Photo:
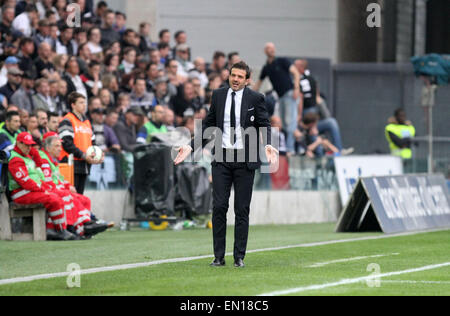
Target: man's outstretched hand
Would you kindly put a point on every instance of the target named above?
(271, 155)
(183, 153)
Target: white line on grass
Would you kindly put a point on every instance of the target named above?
(355, 280)
(415, 282)
(322, 264)
(186, 259)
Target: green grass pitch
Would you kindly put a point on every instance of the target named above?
(417, 264)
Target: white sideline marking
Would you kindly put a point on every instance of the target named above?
(355, 280)
(186, 259)
(415, 282)
(322, 264)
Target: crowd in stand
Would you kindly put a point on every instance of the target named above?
(135, 86)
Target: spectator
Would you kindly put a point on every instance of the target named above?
(111, 118)
(279, 71)
(164, 52)
(180, 38)
(24, 21)
(60, 100)
(80, 38)
(184, 104)
(72, 77)
(153, 126)
(111, 65)
(123, 104)
(106, 99)
(169, 119)
(43, 33)
(108, 33)
(121, 22)
(10, 62)
(60, 61)
(199, 92)
(218, 63)
(8, 14)
(152, 74)
(110, 82)
(126, 129)
(26, 52)
(94, 103)
(140, 97)
(172, 73)
(128, 61)
(9, 131)
(200, 68)
(64, 44)
(155, 58)
(233, 58)
(23, 96)
(144, 33)
(162, 95)
(44, 66)
(13, 83)
(399, 134)
(164, 37)
(44, 6)
(84, 58)
(92, 80)
(184, 65)
(24, 117)
(42, 99)
(94, 42)
(42, 119)
(53, 122)
(105, 137)
(308, 104)
(33, 126)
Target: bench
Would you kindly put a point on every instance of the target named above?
(9, 211)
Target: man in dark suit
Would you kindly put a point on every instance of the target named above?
(233, 110)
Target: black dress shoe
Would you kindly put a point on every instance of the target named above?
(93, 228)
(218, 262)
(62, 235)
(239, 263)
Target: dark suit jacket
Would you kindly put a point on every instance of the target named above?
(253, 114)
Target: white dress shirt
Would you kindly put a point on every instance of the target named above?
(226, 143)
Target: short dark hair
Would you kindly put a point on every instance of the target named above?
(310, 118)
(102, 4)
(243, 66)
(398, 112)
(232, 54)
(10, 114)
(25, 40)
(122, 14)
(162, 45)
(161, 33)
(218, 54)
(52, 114)
(73, 97)
(178, 33)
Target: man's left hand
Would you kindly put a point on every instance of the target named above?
(272, 155)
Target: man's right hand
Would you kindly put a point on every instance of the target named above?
(183, 153)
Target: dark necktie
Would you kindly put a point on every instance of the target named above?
(233, 120)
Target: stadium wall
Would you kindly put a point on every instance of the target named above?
(268, 207)
(297, 27)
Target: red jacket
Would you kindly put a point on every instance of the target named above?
(19, 172)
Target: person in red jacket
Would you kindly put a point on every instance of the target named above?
(26, 187)
(77, 206)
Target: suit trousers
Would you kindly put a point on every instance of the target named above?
(225, 175)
